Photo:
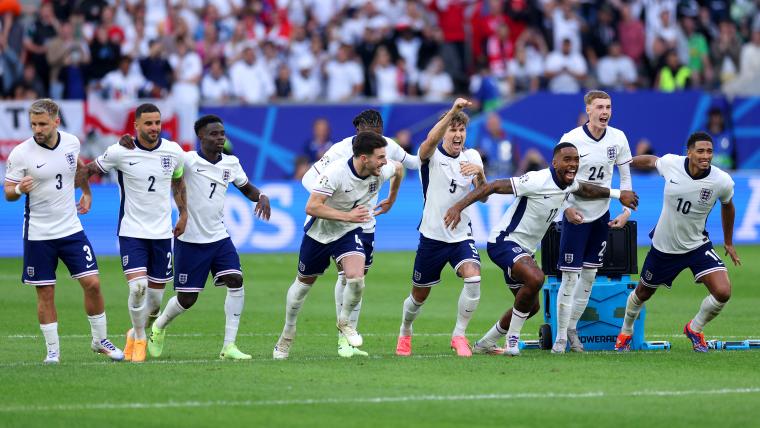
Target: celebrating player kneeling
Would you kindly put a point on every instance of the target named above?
(513, 241)
(679, 240)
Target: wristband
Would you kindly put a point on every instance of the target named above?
(615, 193)
(626, 210)
(260, 195)
(18, 189)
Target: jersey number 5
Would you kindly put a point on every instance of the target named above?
(453, 187)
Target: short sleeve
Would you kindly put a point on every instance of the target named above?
(527, 184)
(387, 171)
(240, 178)
(728, 191)
(110, 159)
(326, 184)
(663, 163)
(624, 154)
(15, 169)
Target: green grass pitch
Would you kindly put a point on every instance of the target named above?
(189, 386)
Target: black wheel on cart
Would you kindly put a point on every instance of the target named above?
(545, 337)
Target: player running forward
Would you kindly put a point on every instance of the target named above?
(206, 246)
(679, 240)
(447, 172)
(586, 223)
(44, 168)
(145, 175)
(339, 204)
(367, 120)
(513, 241)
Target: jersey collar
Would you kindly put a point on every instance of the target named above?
(57, 143)
(586, 130)
(553, 173)
(214, 162)
(442, 150)
(353, 170)
(700, 176)
(137, 144)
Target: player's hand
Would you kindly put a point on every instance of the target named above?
(359, 214)
(127, 142)
(731, 251)
(620, 221)
(383, 207)
(468, 169)
(629, 198)
(460, 104)
(573, 216)
(263, 210)
(453, 217)
(84, 204)
(26, 184)
(179, 228)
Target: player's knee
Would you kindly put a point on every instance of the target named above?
(468, 270)
(231, 281)
(357, 283)
(90, 284)
(588, 275)
(534, 280)
(420, 294)
(137, 289)
(723, 294)
(186, 300)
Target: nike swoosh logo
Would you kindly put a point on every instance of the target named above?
(467, 311)
(236, 315)
(674, 182)
(566, 295)
(547, 197)
(169, 273)
(583, 156)
(133, 163)
(199, 170)
(89, 265)
(40, 166)
(349, 190)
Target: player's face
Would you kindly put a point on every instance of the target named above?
(453, 139)
(565, 165)
(148, 127)
(701, 155)
(213, 138)
(44, 127)
(599, 112)
(374, 162)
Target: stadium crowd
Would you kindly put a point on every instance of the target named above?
(254, 51)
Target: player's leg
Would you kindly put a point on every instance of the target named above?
(134, 262)
(526, 271)
(313, 259)
(429, 261)
(40, 262)
(573, 240)
(160, 272)
(353, 267)
(593, 259)
(466, 262)
(228, 272)
(344, 349)
(708, 269)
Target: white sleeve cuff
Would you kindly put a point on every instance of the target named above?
(615, 193)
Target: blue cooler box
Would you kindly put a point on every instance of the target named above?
(600, 324)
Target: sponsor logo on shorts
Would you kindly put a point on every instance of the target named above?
(417, 275)
(568, 257)
(226, 174)
(182, 278)
(611, 152)
(648, 275)
(30, 271)
(125, 260)
(704, 195)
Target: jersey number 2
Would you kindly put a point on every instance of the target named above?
(152, 180)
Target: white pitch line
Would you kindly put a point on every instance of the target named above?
(371, 400)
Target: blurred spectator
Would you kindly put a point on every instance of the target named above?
(524, 73)
(500, 156)
(724, 148)
(270, 58)
(664, 29)
(305, 82)
(282, 87)
(300, 167)
(404, 139)
(644, 147)
(68, 56)
(500, 50)
(748, 82)
(388, 79)
(533, 160)
(435, 83)
(673, 76)
(565, 69)
(104, 54)
(566, 25)
(216, 86)
(408, 44)
(451, 19)
(631, 33)
(30, 81)
(698, 53)
(209, 48)
(725, 51)
(600, 35)
(124, 83)
(251, 81)
(485, 87)
(187, 74)
(345, 78)
(233, 48)
(320, 141)
(616, 71)
(432, 39)
(39, 33)
(157, 70)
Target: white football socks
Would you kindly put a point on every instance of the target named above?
(409, 314)
(581, 296)
(155, 297)
(98, 326)
(632, 308)
(709, 309)
(468, 302)
(50, 332)
(293, 303)
(137, 303)
(565, 299)
(233, 307)
(495, 333)
(172, 310)
(352, 295)
(517, 322)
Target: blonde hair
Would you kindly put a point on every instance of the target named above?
(595, 95)
(44, 106)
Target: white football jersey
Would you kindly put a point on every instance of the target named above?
(539, 198)
(686, 204)
(344, 149)
(345, 190)
(597, 165)
(50, 210)
(144, 178)
(443, 185)
(207, 183)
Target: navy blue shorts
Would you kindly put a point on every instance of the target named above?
(368, 242)
(314, 256)
(662, 268)
(193, 262)
(151, 255)
(41, 259)
(433, 255)
(504, 254)
(583, 245)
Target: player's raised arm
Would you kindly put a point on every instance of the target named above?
(628, 198)
(727, 216)
(316, 207)
(263, 210)
(453, 214)
(436, 134)
(645, 162)
(385, 205)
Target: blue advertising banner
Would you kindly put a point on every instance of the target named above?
(395, 230)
